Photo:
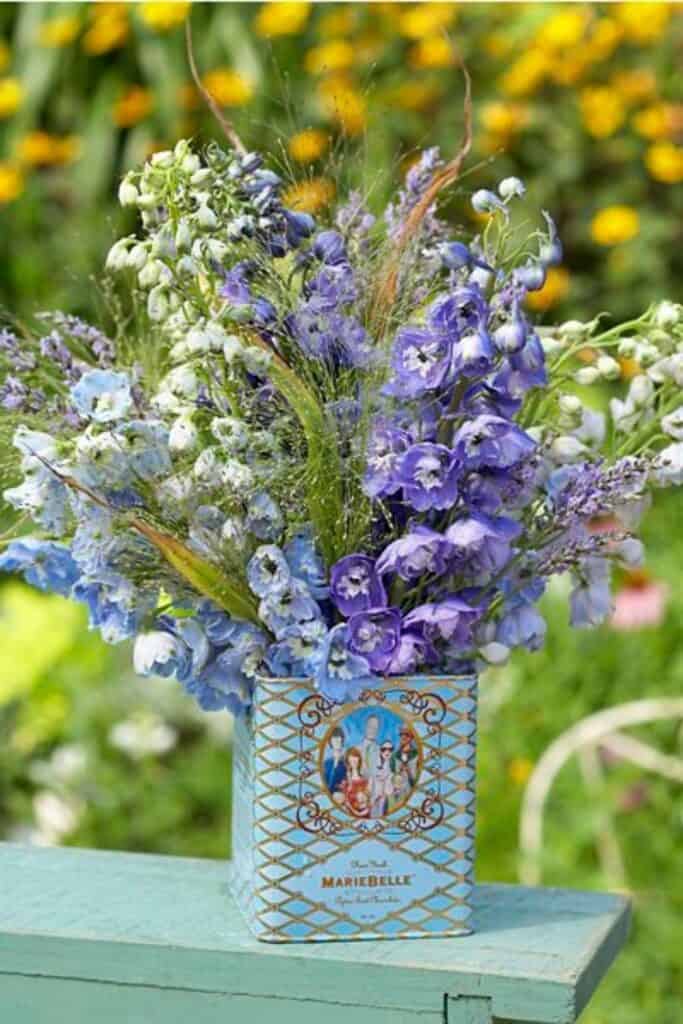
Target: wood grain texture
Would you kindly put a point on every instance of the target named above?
(165, 925)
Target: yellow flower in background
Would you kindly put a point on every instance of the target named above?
(664, 161)
(337, 55)
(502, 118)
(643, 22)
(604, 39)
(571, 69)
(554, 290)
(415, 95)
(614, 225)
(602, 111)
(656, 122)
(11, 182)
(228, 87)
(634, 85)
(188, 97)
(342, 102)
(133, 107)
(337, 23)
(419, 20)
(11, 95)
(527, 73)
(40, 149)
(309, 196)
(308, 145)
(163, 16)
(281, 19)
(108, 31)
(59, 31)
(432, 52)
(564, 29)
(519, 770)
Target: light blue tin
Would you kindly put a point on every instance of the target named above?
(356, 820)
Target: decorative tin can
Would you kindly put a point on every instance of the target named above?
(356, 820)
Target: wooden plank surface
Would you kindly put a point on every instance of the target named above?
(155, 923)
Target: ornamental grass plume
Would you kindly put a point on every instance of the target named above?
(334, 449)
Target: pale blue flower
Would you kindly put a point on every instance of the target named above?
(102, 395)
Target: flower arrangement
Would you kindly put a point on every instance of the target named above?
(333, 451)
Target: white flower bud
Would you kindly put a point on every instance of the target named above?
(128, 193)
(233, 533)
(668, 314)
(216, 249)
(162, 159)
(137, 257)
(608, 368)
(150, 273)
(647, 354)
(157, 304)
(573, 330)
(237, 476)
(183, 436)
(570, 404)
(551, 345)
(672, 424)
(190, 164)
(206, 218)
(117, 257)
(495, 653)
(147, 201)
(511, 187)
(567, 449)
(207, 467)
(230, 432)
(183, 381)
(186, 267)
(641, 391)
(627, 348)
(197, 341)
(201, 177)
(183, 236)
(233, 349)
(586, 375)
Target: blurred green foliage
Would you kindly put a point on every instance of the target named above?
(584, 102)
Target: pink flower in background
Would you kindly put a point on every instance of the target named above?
(641, 602)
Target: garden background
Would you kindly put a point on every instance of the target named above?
(585, 103)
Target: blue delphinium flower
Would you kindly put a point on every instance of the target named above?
(450, 619)
(306, 563)
(591, 599)
(102, 396)
(267, 571)
(490, 442)
(264, 518)
(43, 564)
(289, 606)
(160, 653)
(355, 585)
(429, 474)
(340, 674)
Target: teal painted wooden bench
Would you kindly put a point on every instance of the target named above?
(134, 939)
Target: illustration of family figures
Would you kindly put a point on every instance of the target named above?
(372, 777)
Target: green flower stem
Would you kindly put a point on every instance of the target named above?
(324, 477)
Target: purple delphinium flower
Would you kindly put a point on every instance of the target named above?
(421, 551)
(375, 634)
(474, 354)
(429, 474)
(462, 309)
(511, 336)
(490, 442)
(481, 544)
(412, 652)
(421, 359)
(386, 447)
(451, 619)
(340, 674)
(355, 585)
